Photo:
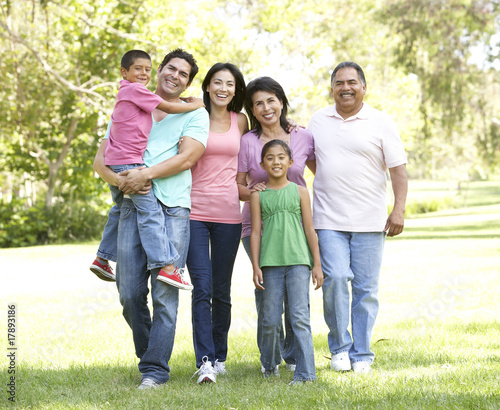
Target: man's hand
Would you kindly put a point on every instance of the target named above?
(395, 223)
(135, 181)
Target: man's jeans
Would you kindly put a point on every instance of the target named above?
(212, 251)
(293, 281)
(153, 337)
(354, 257)
(159, 250)
(286, 347)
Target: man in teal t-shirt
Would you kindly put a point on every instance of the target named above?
(169, 169)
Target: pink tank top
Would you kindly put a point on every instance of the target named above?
(214, 194)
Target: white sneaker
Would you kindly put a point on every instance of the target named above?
(148, 383)
(341, 362)
(220, 367)
(206, 373)
(291, 367)
(361, 367)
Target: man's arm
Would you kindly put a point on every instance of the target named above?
(105, 172)
(395, 222)
(190, 151)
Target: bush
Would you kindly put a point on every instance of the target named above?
(65, 222)
(427, 205)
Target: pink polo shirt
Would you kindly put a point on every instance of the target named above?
(131, 123)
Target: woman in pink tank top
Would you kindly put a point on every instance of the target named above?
(215, 219)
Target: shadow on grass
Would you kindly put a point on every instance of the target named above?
(439, 365)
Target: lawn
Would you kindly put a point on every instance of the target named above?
(437, 338)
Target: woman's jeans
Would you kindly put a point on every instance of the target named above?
(153, 336)
(294, 282)
(212, 252)
(159, 250)
(354, 257)
(286, 347)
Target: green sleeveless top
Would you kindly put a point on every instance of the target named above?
(283, 239)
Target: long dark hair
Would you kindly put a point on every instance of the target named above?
(273, 87)
(236, 103)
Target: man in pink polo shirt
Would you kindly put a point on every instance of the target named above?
(355, 144)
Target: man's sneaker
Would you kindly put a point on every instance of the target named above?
(268, 373)
(206, 373)
(103, 271)
(341, 362)
(291, 366)
(361, 367)
(219, 367)
(148, 383)
(175, 278)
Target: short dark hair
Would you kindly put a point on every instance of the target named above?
(349, 64)
(273, 87)
(130, 56)
(269, 144)
(180, 53)
(236, 103)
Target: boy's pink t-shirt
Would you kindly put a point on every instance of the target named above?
(214, 193)
(131, 123)
(302, 147)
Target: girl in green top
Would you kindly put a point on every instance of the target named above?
(283, 260)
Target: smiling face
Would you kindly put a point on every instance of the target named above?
(222, 88)
(138, 72)
(276, 162)
(348, 92)
(173, 78)
(266, 108)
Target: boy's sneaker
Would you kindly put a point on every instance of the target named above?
(291, 366)
(341, 362)
(361, 367)
(103, 271)
(269, 373)
(206, 373)
(175, 278)
(220, 367)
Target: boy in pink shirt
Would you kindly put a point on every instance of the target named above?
(131, 122)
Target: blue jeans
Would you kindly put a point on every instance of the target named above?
(286, 346)
(293, 281)
(212, 251)
(153, 337)
(354, 257)
(159, 250)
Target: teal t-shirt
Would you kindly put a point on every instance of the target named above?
(163, 144)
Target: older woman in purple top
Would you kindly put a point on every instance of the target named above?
(267, 106)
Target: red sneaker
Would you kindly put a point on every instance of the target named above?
(175, 278)
(103, 271)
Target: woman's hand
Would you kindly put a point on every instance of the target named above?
(259, 186)
(292, 125)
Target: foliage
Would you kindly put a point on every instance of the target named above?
(28, 226)
(435, 42)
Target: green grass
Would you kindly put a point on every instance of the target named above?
(437, 338)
